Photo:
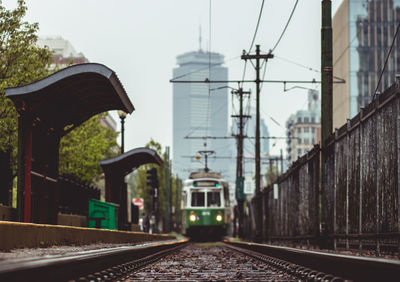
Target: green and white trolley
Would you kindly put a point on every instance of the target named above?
(205, 206)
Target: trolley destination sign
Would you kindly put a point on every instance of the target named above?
(198, 184)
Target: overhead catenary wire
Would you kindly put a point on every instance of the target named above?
(252, 42)
(265, 69)
(258, 24)
(194, 71)
(386, 60)
(243, 75)
(284, 30)
(202, 69)
(297, 64)
(209, 71)
(277, 43)
(205, 123)
(306, 67)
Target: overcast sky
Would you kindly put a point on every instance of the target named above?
(140, 39)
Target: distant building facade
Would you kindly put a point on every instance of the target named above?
(108, 121)
(249, 145)
(363, 31)
(304, 128)
(64, 53)
(198, 112)
(249, 150)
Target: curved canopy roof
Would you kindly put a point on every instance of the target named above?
(65, 99)
(131, 160)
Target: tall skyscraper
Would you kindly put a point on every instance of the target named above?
(200, 109)
(363, 31)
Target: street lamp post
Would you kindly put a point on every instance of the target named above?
(122, 116)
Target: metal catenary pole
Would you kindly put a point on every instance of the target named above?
(326, 93)
(239, 162)
(167, 192)
(176, 202)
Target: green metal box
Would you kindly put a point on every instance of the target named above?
(103, 215)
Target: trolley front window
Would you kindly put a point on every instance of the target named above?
(213, 199)
(197, 199)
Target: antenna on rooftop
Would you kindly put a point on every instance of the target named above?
(200, 38)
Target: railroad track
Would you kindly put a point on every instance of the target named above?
(95, 265)
(201, 262)
(223, 262)
(209, 262)
(320, 266)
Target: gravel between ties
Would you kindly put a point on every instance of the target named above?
(205, 262)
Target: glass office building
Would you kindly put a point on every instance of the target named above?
(363, 32)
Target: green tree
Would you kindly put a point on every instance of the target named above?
(271, 175)
(138, 184)
(83, 148)
(21, 62)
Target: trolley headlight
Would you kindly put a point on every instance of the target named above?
(192, 217)
(219, 217)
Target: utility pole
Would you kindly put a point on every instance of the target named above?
(167, 192)
(177, 192)
(257, 57)
(326, 93)
(239, 161)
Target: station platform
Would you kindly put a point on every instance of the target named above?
(30, 235)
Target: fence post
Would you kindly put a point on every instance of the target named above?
(347, 181)
(360, 180)
(378, 219)
(334, 190)
(398, 164)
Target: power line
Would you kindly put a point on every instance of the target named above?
(298, 64)
(252, 43)
(209, 72)
(250, 81)
(203, 125)
(265, 68)
(196, 70)
(258, 23)
(244, 74)
(340, 80)
(287, 24)
(202, 68)
(387, 58)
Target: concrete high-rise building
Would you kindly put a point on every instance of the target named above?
(304, 128)
(363, 31)
(64, 53)
(200, 109)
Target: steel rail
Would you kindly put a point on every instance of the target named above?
(333, 266)
(299, 271)
(100, 264)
